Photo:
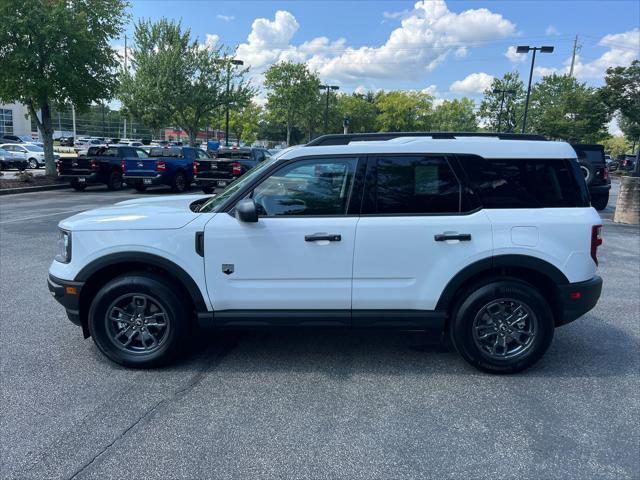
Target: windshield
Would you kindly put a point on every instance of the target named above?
(215, 202)
(34, 148)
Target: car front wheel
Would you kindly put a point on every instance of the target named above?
(139, 320)
(502, 327)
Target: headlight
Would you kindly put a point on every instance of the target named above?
(64, 246)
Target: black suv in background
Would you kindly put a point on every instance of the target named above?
(229, 164)
(595, 171)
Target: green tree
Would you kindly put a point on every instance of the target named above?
(176, 79)
(360, 111)
(455, 116)
(512, 107)
(244, 122)
(56, 52)
(561, 107)
(312, 115)
(290, 88)
(403, 111)
(621, 94)
(616, 145)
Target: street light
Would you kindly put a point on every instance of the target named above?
(503, 92)
(326, 108)
(527, 49)
(228, 62)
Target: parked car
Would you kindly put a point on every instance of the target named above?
(33, 154)
(626, 162)
(228, 165)
(596, 174)
(491, 241)
(67, 142)
(101, 165)
(172, 166)
(16, 139)
(9, 159)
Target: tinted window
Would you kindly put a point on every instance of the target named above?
(309, 187)
(525, 183)
(141, 153)
(165, 152)
(411, 185)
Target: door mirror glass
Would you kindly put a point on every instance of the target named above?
(246, 211)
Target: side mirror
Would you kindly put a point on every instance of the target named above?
(246, 211)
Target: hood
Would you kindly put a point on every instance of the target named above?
(158, 213)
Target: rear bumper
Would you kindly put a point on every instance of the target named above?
(89, 177)
(143, 180)
(600, 189)
(578, 298)
(212, 182)
(67, 294)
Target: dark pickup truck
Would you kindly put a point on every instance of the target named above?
(230, 163)
(172, 166)
(596, 173)
(101, 165)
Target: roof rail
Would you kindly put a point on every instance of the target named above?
(345, 139)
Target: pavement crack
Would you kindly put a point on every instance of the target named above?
(194, 381)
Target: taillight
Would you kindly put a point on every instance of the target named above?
(236, 168)
(161, 166)
(605, 174)
(94, 165)
(596, 241)
(195, 167)
(123, 166)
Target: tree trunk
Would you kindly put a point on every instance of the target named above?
(288, 134)
(47, 137)
(193, 137)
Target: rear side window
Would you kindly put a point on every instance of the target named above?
(409, 185)
(165, 152)
(525, 183)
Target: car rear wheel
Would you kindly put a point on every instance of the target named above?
(79, 187)
(115, 181)
(502, 327)
(33, 163)
(208, 190)
(139, 320)
(600, 202)
(179, 183)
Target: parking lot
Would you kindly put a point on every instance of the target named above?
(307, 404)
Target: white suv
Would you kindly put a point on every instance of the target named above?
(490, 239)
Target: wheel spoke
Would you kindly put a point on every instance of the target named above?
(122, 317)
(153, 320)
(140, 304)
(137, 323)
(132, 334)
(487, 335)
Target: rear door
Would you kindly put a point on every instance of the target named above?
(299, 255)
(414, 234)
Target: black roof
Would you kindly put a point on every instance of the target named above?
(344, 139)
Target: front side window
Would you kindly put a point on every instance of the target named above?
(410, 185)
(307, 187)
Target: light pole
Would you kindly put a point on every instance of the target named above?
(229, 62)
(326, 107)
(502, 91)
(527, 49)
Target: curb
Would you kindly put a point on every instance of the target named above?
(43, 188)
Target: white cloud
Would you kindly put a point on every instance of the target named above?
(394, 15)
(225, 18)
(426, 36)
(473, 83)
(211, 40)
(551, 30)
(513, 56)
(623, 48)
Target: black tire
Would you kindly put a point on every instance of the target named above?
(599, 202)
(77, 186)
(33, 163)
(179, 183)
(115, 181)
(208, 190)
(470, 317)
(2, 167)
(587, 170)
(110, 336)
(140, 187)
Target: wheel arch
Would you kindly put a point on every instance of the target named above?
(541, 274)
(97, 273)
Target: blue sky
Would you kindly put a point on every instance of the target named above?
(449, 49)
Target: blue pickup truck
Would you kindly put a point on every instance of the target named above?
(172, 166)
(101, 165)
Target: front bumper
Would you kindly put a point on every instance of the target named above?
(67, 294)
(578, 298)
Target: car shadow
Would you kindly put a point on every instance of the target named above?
(589, 348)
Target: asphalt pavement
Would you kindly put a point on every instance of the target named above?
(307, 404)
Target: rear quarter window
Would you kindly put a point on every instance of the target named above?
(525, 183)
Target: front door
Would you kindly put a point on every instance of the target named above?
(298, 256)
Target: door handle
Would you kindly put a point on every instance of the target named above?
(463, 237)
(322, 236)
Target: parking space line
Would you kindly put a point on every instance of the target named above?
(16, 220)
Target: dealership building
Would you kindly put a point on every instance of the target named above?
(14, 119)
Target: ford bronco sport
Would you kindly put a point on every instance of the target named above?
(488, 238)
